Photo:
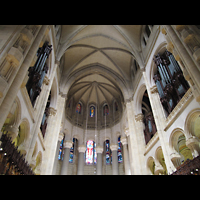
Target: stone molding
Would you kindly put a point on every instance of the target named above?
(124, 140)
(139, 117)
(99, 149)
(82, 149)
(114, 147)
(67, 144)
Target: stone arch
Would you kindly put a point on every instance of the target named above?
(192, 123)
(173, 140)
(13, 119)
(151, 165)
(37, 168)
(161, 166)
(139, 96)
(160, 49)
(179, 151)
(23, 135)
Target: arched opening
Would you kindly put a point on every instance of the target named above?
(151, 165)
(180, 152)
(90, 154)
(169, 80)
(148, 120)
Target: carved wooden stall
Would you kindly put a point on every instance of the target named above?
(11, 161)
(189, 167)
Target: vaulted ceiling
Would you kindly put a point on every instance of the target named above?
(97, 60)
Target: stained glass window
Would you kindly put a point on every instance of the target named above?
(78, 108)
(92, 111)
(91, 155)
(61, 152)
(107, 152)
(71, 154)
(119, 152)
(105, 110)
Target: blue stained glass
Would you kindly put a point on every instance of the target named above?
(107, 152)
(71, 154)
(92, 111)
(61, 152)
(78, 108)
(119, 152)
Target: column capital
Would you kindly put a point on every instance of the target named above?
(139, 117)
(124, 140)
(154, 89)
(114, 147)
(81, 148)
(51, 111)
(68, 144)
(126, 131)
(99, 149)
(60, 137)
(46, 80)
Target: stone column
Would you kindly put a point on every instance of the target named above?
(61, 135)
(141, 140)
(126, 156)
(81, 149)
(15, 86)
(99, 150)
(65, 163)
(115, 169)
(51, 137)
(135, 164)
(126, 130)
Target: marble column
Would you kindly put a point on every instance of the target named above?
(65, 163)
(115, 168)
(126, 156)
(15, 86)
(99, 150)
(81, 149)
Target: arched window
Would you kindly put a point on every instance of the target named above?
(119, 151)
(90, 154)
(105, 110)
(61, 150)
(107, 150)
(78, 108)
(72, 151)
(92, 111)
